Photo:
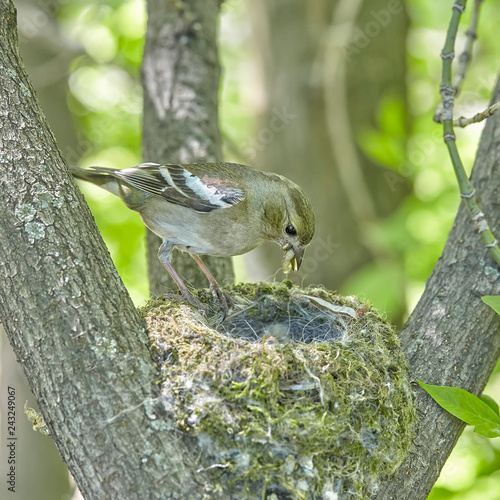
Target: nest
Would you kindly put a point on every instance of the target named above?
(298, 394)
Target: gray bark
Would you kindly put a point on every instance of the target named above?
(66, 313)
(181, 83)
(47, 56)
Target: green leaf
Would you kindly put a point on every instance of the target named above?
(493, 301)
(491, 403)
(466, 407)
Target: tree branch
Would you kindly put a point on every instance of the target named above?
(452, 338)
(466, 55)
(463, 61)
(467, 190)
(463, 122)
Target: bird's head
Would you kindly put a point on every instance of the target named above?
(288, 220)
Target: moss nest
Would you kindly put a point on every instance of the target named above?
(297, 394)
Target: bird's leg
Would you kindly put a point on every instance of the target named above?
(225, 300)
(164, 256)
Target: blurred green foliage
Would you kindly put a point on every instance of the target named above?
(105, 98)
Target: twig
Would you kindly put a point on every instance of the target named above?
(466, 55)
(464, 59)
(467, 191)
(478, 117)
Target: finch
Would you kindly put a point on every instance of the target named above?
(219, 209)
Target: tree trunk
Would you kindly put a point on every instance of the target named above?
(65, 310)
(181, 120)
(47, 56)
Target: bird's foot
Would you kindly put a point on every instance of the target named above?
(224, 299)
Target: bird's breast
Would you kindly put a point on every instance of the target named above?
(214, 233)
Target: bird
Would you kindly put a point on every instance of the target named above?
(219, 209)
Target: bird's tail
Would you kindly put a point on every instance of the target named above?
(100, 176)
(96, 175)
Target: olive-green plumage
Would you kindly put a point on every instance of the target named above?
(220, 209)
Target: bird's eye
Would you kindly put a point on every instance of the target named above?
(291, 230)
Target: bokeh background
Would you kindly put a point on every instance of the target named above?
(338, 96)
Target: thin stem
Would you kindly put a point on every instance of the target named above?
(464, 59)
(462, 121)
(467, 191)
(466, 56)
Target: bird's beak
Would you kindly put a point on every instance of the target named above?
(298, 254)
(293, 259)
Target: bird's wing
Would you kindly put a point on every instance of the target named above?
(177, 184)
